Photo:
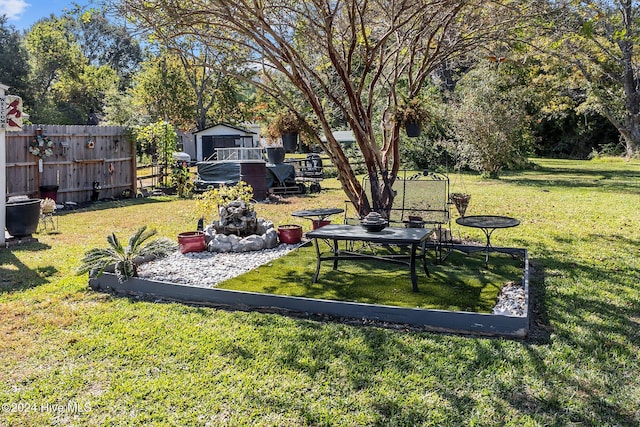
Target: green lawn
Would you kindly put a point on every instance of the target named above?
(75, 357)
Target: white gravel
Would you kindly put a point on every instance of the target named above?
(207, 269)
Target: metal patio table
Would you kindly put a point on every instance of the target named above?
(488, 224)
(334, 233)
(317, 216)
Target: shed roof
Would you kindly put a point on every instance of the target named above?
(342, 136)
(226, 125)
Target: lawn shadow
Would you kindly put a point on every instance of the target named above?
(623, 181)
(606, 328)
(111, 204)
(15, 275)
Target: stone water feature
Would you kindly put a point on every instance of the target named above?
(240, 230)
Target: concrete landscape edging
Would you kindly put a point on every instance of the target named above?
(436, 320)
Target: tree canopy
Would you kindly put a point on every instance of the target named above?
(348, 64)
(599, 39)
(13, 57)
(362, 59)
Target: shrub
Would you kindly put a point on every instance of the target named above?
(427, 154)
(181, 179)
(490, 123)
(210, 201)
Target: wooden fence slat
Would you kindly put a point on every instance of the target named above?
(74, 166)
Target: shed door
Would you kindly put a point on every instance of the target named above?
(207, 147)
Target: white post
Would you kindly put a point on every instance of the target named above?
(3, 163)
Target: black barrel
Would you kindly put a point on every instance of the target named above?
(254, 173)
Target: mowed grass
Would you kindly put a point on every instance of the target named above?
(75, 357)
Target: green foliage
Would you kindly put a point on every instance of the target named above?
(158, 77)
(65, 86)
(157, 140)
(423, 153)
(208, 202)
(84, 93)
(600, 41)
(105, 43)
(181, 179)
(119, 110)
(431, 150)
(125, 259)
(356, 159)
(14, 67)
(490, 122)
(412, 111)
(284, 122)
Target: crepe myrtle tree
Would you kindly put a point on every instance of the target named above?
(357, 58)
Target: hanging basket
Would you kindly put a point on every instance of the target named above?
(461, 201)
(413, 129)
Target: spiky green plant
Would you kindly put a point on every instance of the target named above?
(125, 258)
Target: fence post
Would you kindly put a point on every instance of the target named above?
(3, 163)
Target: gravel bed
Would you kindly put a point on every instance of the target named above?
(207, 269)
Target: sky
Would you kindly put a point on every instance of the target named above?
(22, 14)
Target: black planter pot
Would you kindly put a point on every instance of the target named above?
(413, 129)
(23, 217)
(275, 155)
(290, 142)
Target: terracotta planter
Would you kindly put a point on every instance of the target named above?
(290, 234)
(23, 217)
(317, 223)
(191, 241)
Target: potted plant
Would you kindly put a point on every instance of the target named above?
(191, 241)
(275, 150)
(286, 126)
(412, 114)
(47, 206)
(290, 233)
(22, 217)
(125, 259)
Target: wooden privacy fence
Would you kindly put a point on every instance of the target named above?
(81, 155)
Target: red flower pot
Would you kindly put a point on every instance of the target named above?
(191, 241)
(317, 223)
(290, 234)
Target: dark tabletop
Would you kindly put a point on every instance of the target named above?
(317, 212)
(391, 235)
(487, 221)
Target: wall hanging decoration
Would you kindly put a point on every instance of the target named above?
(41, 146)
(65, 146)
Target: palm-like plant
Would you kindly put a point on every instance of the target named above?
(125, 258)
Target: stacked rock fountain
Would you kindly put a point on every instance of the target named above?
(240, 230)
